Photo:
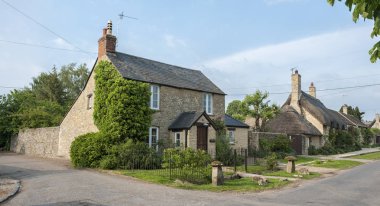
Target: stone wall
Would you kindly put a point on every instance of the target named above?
(174, 101)
(241, 138)
(79, 120)
(42, 142)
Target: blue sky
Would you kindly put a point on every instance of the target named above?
(240, 45)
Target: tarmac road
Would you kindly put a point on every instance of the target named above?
(54, 183)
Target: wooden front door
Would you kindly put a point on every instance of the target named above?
(378, 140)
(202, 137)
(297, 143)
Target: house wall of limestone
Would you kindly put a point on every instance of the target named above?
(174, 101)
(79, 120)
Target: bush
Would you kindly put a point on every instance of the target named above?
(108, 162)
(271, 161)
(312, 150)
(137, 155)
(187, 158)
(188, 164)
(87, 150)
(224, 152)
(279, 144)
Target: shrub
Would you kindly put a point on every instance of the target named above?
(187, 158)
(137, 155)
(279, 144)
(188, 164)
(224, 152)
(271, 161)
(312, 150)
(87, 150)
(108, 162)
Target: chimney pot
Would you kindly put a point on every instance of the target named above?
(106, 43)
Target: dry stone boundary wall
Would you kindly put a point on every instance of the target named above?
(42, 142)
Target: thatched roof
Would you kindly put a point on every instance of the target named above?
(353, 120)
(319, 111)
(290, 122)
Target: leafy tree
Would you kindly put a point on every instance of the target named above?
(42, 105)
(257, 106)
(367, 9)
(47, 86)
(235, 110)
(73, 80)
(354, 112)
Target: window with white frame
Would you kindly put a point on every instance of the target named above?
(177, 139)
(207, 103)
(231, 136)
(155, 97)
(153, 137)
(90, 101)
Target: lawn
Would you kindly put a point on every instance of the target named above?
(240, 185)
(369, 156)
(336, 164)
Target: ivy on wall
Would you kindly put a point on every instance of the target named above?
(123, 116)
(121, 106)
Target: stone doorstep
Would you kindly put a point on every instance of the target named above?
(8, 188)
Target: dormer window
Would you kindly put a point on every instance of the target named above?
(207, 103)
(155, 97)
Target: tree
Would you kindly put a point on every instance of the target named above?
(354, 112)
(367, 9)
(73, 80)
(47, 86)
(235, 110)
(256, 106)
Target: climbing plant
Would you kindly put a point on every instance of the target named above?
(121, 106)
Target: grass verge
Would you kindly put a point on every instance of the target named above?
(335, 164)
(369, 156)
(238, 185)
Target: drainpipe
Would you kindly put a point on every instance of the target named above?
(186, 131)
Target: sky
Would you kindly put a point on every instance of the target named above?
(241, 45)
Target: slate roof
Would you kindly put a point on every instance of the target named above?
(288, 121)
(231, 122)
(150, 71)
(318, 110)
(185, 120)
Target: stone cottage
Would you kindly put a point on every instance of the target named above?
(185, 102)
(312, 114)
(376, 124)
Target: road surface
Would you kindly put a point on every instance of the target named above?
(54, 183)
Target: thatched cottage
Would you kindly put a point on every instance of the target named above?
(307, 120)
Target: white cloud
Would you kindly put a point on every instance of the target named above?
(335, 55)
(174, 42)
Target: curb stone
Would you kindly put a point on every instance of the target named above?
(8, 188)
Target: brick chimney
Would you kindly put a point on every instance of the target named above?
(312, 90)
(296, 91)
(345, 109)
(107, 43)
